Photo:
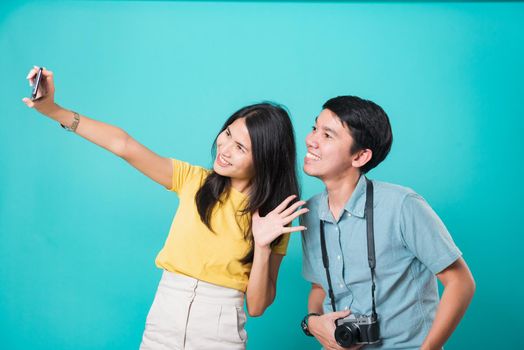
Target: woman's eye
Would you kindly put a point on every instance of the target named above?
(314, 128)
(327, 136)
(227, 132)
(241, 149)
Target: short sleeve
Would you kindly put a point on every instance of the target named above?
(183, 173)
(308, 267)
(281, 247)
(425, 234)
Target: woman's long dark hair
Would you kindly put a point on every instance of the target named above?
(274, 161)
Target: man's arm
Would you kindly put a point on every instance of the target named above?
(459, 288)
(316, 299)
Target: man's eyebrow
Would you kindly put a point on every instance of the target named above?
(328, 129)
(325, 128)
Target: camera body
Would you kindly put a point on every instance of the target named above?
(357, 329)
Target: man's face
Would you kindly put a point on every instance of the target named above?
(328, 148)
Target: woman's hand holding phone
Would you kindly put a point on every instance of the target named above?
(42, 92)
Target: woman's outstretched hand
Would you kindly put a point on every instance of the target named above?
(45, 99)
(269, 227)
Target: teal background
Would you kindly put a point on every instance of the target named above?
(79, 229)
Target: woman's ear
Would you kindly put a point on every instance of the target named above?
(362, 157)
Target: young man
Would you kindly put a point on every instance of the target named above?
(411, 244)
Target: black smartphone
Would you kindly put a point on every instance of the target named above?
(36, 85)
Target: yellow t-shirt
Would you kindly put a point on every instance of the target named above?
(194, 250)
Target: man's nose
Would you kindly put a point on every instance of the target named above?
(311, 140)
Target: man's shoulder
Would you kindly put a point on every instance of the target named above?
(314, 201)
(313, 204)
(392, 192)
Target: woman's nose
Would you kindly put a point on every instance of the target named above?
(226, 148)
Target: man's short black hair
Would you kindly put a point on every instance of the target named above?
(368, 125)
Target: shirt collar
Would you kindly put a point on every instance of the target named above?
(323, 212)
(357, 202)
(354, 206)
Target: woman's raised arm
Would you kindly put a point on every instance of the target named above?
(110, 137)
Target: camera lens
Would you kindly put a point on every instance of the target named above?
(346, 334)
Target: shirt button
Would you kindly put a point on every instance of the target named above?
(349, 214)
(338, 257)
(346, 308)
(341, 285)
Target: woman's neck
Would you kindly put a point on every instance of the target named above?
(241, 185)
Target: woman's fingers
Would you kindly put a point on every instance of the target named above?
(48, 81)
(293, 229)
(32, 73)
(295, 215)
(46, 88)
(31, 76)
(48, 75)
(284, 204)
(292, 208)
(28, 102)
(46, 72)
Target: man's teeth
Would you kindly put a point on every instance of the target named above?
(312, 156)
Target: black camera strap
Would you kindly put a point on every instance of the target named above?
(325, 261)
(368, 213)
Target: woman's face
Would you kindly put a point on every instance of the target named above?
(234, 155)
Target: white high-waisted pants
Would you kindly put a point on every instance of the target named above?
(191, 314)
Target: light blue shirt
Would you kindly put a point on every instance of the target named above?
(411, 245)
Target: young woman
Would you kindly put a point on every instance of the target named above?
(231, 228)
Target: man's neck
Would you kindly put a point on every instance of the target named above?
(340, 189)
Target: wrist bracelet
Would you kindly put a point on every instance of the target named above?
(74, 125)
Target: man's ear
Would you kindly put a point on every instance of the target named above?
(362, 157)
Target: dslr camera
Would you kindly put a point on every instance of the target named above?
(357, 329)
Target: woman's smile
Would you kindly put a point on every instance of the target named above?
(221, 161)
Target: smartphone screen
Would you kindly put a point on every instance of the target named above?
(36, 85)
